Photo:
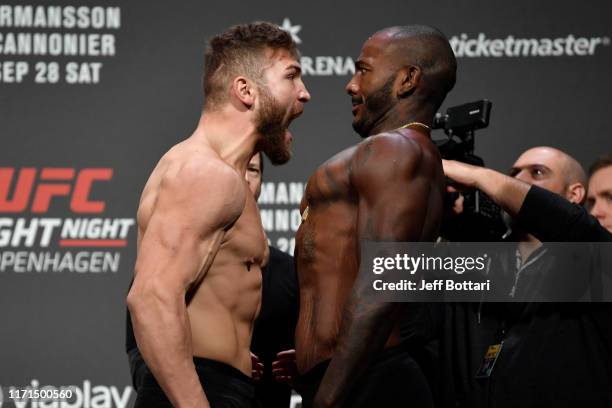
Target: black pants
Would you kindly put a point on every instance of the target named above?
(393, 380)
(225, 387)
(138, 368)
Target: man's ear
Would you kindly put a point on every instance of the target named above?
(243, 90)
(576, 193)
(410, 77)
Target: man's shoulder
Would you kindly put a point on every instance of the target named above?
(201, 168)
(395, 148)
(394, 157)
(403, 141)
(197, 176)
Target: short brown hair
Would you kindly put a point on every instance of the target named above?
(239, 51)
(603, 161)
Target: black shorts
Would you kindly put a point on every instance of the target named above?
(224, 385)
(138, 368)
(393, 379)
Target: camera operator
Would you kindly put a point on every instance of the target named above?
(599, 198)
(542, 213)
(553, 354)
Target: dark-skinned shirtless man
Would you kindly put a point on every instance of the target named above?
(390, 187)
(201, 245)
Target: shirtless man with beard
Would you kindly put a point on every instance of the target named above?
(201, 245)
(388, 188)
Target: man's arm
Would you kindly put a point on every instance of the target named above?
(546, 215)
(394, 183)
(195, 204)
(507, 192)
(552, 218)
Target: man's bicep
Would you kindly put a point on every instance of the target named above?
(172, 252)
(184, 233)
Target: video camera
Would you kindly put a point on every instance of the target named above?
(481, 219)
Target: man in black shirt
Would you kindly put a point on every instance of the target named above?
(553, 354)
(275, 326)
(274, 329)
(544, 214)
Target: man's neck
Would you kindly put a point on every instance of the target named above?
(229, 133)
(399, 116)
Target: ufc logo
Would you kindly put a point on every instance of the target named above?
(51, 182)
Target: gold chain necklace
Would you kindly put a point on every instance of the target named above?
(419, 124)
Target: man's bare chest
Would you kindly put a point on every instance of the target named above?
(246, 239)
